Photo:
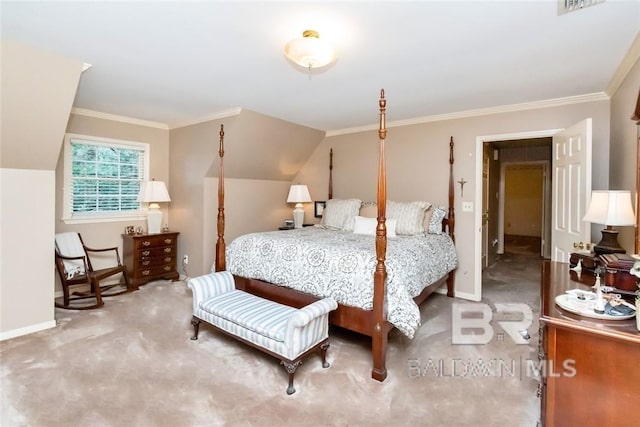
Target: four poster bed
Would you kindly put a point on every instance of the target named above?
(375, 291)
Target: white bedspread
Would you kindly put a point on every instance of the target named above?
(340, 264)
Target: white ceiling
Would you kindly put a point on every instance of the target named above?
(179, 62)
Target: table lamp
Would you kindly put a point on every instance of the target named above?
(153, 192)
(298, 194)
(611, 208)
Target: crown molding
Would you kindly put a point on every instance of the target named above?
(555, 102)
(116, 118)
(625, 66)
(216, 116)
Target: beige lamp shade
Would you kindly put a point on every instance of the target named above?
(153, 192)
(610, 208)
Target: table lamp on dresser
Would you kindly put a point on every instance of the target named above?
(610, 208)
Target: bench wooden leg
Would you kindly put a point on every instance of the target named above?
(196, 327)
(291, 369)
(323, 352)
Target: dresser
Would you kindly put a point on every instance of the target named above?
(151, 256)
(592, 366)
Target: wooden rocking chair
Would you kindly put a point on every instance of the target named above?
(74, 268)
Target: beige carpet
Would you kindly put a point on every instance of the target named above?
(132, 363)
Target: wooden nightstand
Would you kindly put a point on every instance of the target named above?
(291, 228)
(151, 256)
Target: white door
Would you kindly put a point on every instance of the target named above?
(571, 162)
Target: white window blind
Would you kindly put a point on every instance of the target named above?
(102, 178)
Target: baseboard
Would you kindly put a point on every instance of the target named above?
(27, 330)
(457, 294)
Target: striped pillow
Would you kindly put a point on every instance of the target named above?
(337, 212)
(409, 216)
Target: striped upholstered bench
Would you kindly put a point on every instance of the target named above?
(279, 330)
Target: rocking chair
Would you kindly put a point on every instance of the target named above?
(74, 268)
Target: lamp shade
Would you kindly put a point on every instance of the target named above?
(298, 194)
(309, 51)
(153, 192)
(610, 208)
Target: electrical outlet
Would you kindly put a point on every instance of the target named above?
(185, 259)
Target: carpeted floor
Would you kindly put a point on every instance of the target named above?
(132, 363)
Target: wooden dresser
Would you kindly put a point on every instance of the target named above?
(151, 256)
(602, 385)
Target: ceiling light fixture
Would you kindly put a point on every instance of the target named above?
(309, 51)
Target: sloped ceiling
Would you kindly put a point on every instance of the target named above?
(262, 147)
(37, 94)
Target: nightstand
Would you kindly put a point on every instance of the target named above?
(291, 228)
(151, 256)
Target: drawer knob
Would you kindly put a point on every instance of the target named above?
(146, 243)
(145, 272)
(146, 253)
(146, 262)
(167, 250)
(168, 241)
(167, 268)
(167, 259)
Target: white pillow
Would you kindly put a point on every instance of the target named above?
(363, 225)
(409, 216)
(337, 212)
(435, 222)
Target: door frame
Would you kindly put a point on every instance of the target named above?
(477, 264)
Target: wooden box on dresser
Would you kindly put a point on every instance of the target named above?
(151, 256)
(601, 386)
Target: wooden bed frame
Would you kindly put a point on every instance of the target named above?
(373, 322)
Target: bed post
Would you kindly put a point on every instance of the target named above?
(380, 328)
(451, 217)
(330, 174)
(221, 263)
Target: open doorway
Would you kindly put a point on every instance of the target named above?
(516, 211)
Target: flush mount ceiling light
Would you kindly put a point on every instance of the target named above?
(309, 51)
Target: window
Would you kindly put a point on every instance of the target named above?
(102, 178)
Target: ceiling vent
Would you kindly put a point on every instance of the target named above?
(566, 6)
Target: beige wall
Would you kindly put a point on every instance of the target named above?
(418, 168)
(37, 93)
(624, 143)
(262, 156)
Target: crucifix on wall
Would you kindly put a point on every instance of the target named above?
(462, 182)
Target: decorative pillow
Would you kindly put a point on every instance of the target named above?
(368, 226)
(337, 212)
(408, 216)
(435, 222)
(369, 210)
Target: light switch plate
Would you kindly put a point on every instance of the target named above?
(467, 206)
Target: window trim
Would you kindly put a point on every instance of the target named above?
(67, 215)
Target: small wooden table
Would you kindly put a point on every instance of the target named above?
(604, 387)
(151, 256)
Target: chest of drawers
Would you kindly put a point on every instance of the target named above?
(151, 256)
(602, 388)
